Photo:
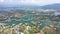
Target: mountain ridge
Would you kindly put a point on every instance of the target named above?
(51, 6)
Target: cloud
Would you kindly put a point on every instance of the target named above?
(40, 2)
(37, 2)
(1, 1)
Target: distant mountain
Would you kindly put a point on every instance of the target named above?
(51, 6)
(19, 6)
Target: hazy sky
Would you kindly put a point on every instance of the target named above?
(37, 2)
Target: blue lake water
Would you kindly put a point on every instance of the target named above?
(43, 24)
(20, 21)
